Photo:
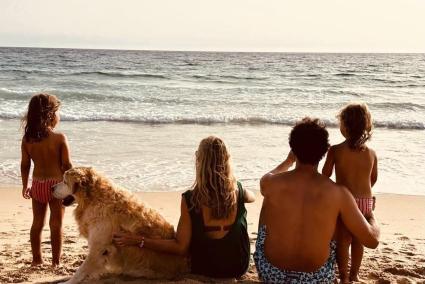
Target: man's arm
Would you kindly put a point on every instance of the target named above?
(282, 167)
(366, 233)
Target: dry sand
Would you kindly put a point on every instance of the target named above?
(400, 257)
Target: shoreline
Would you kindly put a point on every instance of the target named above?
(11, 187)
(400, 257)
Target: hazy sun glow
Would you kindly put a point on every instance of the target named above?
(239, 25)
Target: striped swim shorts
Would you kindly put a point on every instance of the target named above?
(41, 190)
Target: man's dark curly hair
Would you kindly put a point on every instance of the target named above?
(309, 140)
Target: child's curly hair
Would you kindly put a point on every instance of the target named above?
(357, 122)
(39, 117)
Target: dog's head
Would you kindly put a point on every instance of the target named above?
(76, 185)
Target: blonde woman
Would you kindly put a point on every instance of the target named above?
(212, 228)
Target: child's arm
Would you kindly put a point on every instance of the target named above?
(65, 157)
(330, 162)
(374, 175)
(25, 170)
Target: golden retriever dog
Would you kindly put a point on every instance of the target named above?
(104, 209)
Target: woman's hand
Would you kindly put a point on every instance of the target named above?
(26, 193)
(127, 239)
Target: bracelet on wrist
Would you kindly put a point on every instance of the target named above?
(142, 243)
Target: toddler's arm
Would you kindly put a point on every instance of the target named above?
(25, 170)
(374, 175)
(65, 156)
(330, 162)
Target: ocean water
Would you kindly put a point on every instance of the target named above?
(138, 116)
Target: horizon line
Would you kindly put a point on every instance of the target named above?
(217, 51)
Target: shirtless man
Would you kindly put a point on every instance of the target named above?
(300, 212)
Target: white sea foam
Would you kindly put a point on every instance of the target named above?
(148, 110)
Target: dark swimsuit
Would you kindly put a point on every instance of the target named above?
(227, 257)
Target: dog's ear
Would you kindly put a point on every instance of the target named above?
(87, 179)
(84, 179)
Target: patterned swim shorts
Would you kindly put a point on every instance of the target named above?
(271, 274)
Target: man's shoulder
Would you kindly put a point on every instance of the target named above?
(279, 180)
(331, 187)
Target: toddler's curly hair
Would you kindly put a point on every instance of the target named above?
(357, 121)
(39, 117)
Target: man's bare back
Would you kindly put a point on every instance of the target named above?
(300, 209)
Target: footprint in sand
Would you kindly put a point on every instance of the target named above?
(408, 253)
(386, 259)
(404, 280)
(387, 249)
(381, 280)
(402, 271)
(403, 238)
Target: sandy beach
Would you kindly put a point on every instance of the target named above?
(400, 257)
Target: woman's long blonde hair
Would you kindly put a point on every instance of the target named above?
(214, 186)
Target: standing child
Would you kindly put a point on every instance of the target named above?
(49, 152)
(356, 168)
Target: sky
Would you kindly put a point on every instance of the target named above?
(217, 25)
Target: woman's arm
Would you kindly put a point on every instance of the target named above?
(25, 170)
(249, 196)
(179, 245)
(65, 156)
(330, 162)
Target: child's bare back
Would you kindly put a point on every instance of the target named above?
(355, 168)
(47, 156)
